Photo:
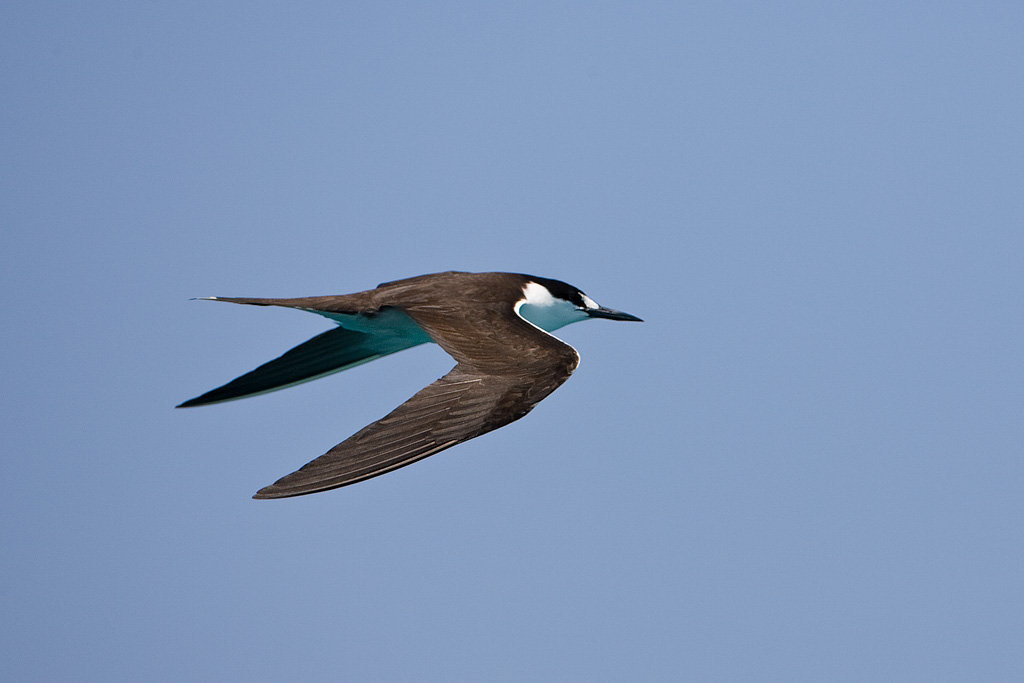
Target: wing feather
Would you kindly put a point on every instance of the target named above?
(453, 409)
(325, 354)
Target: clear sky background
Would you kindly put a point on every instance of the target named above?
(807, 465)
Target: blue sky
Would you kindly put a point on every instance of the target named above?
(806, 465)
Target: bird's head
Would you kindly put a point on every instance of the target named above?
(550, 304)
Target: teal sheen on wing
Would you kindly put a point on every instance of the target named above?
(496, 326)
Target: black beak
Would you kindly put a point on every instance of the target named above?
(612, 314)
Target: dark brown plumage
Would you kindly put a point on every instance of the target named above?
(505, 365)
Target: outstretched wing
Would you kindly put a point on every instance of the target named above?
(333, 351)
(505, 367)
(379, 333)
(458, 407)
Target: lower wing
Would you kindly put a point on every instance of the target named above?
(455, 408)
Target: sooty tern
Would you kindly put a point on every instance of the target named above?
(496, 325)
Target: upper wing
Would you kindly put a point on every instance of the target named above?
(379, 334)
(455, 408)
(333, 351)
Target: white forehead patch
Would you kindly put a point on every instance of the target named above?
(588, 302)
(540, 307)
(537, 295)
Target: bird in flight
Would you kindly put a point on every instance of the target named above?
(495, 325)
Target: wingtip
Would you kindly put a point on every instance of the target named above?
(205, 298)
(191, 403)
(268, 493)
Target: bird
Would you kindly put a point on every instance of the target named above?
(497, 327)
